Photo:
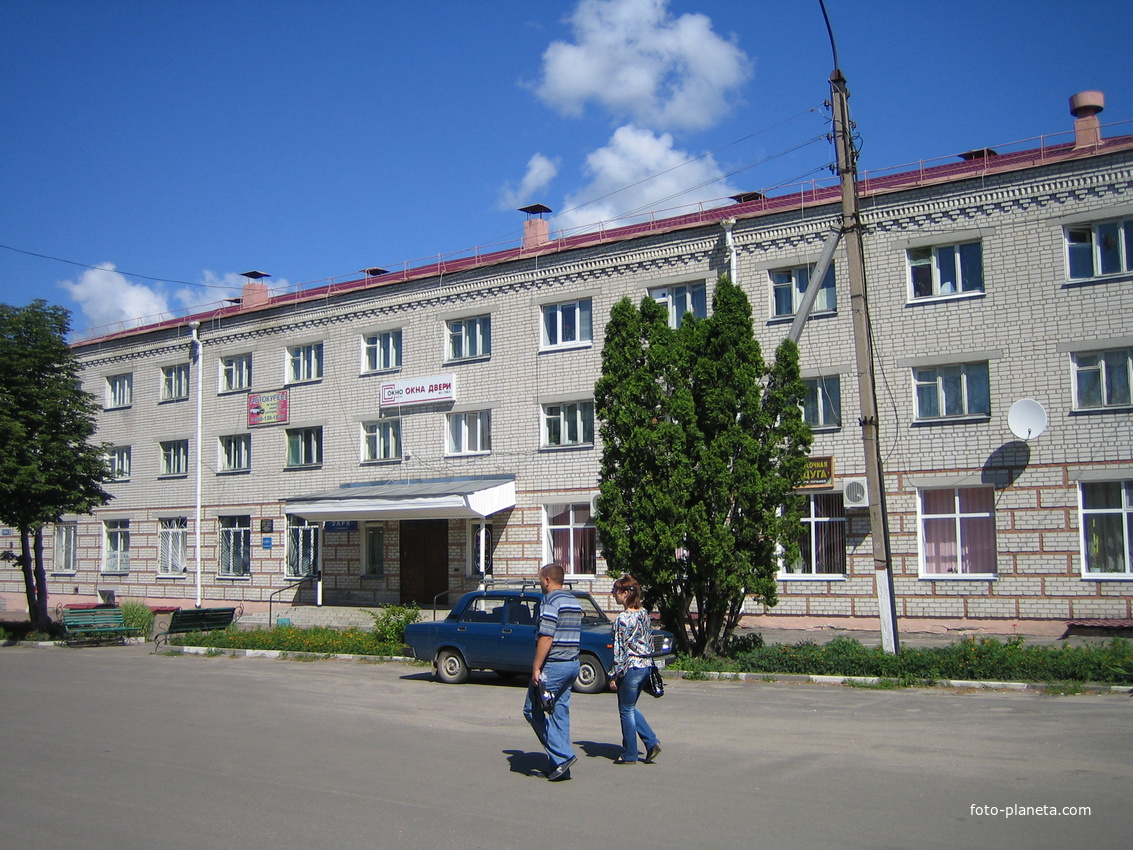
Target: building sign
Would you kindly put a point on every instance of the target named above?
(819, 472)
(267, 408)
(419, 390)
(340, 525)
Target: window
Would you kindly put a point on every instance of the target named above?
(570, 536)
(946, 391)
(823, 544)
(822, 407)
(175, 457)
(1102, 379)
(679, 300)
(305, 447)
(175, 382)
(381, 351)
(66, 547)
(172, 546)
(381, 440)
(1107, 528)
(474, 548)
(116, 546)
(235, 453)
(957, 532)
(1099, 249)
(236, 373)
(469, 433)
(119, 391)
(789, 285)
(302, 547)
(567, 324)
(469, 338)
(118, 461)
(946, 270)
(305, 363)
(568, 424)
(235, 546)
(373, 550)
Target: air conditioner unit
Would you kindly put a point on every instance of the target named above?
(855, 493)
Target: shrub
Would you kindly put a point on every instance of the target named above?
(390, 623)
(138, 615)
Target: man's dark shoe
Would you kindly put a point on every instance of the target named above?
(654, 751)
(562, 771)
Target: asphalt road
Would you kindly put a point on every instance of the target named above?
(110, 747)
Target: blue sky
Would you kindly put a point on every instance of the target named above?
(173, 145)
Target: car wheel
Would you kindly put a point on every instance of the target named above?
(451, 668)
(591, 677)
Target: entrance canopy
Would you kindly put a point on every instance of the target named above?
(425, 498)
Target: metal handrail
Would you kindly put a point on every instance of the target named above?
(291, 586)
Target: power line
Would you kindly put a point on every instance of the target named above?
(119, 271)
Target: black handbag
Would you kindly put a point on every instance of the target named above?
(654, 684)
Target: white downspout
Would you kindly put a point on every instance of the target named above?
(197, 355)
(730, 241)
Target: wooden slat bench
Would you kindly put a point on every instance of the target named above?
(186, 620)
(92, 624)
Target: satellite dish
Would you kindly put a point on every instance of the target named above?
(1026, 419)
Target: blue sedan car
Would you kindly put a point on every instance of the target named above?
(494, 629)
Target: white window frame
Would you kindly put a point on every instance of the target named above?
(119, 461)
(304, 447)
(468, 433)
(235, 373)
(952, 383)
(303, 549)
(947, 270)
(175, 382)
(64, 553)
(234, 546)
(959, 519)
(815, 524)
(119, 391)
(567, 424)
(1087, 516)
(679, 299)
(381, 351)
(468, 338)
(567, 324)
(1114, 381)
(174, 458)
(116, 546)
(822, 407)
(234, 453)
(173, 546)
(373, 550)
(381, 440)
(305, 363)
(795, 281)
(1106, 247)
(580, 522)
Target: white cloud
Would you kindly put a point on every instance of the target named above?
(639, 169)
(107, 298)
(540, 172)
(638, 61)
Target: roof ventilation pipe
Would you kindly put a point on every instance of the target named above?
(1085, 107)
(536, 230)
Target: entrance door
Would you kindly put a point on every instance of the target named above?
(424, 560)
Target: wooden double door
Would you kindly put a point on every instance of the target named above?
(424, 560)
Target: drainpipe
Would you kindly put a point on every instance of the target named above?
(194, 328)
(730, 241)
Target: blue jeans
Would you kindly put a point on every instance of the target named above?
(633, 722)
(553, 730)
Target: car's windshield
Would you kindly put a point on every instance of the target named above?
(592, 615)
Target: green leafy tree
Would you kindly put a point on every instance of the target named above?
(48, 467)
(703, 447)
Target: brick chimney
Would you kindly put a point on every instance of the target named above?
(536, 230)
(1085, 107)
(255, 291)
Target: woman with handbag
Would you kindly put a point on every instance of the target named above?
(633, 650)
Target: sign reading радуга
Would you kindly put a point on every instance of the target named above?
(419, 390)
(267, 408)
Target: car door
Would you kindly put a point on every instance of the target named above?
(517, 637)
(478, 631)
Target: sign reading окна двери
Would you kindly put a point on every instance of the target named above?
(419, 390)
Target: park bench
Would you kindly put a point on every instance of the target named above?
(186, 620)
(93, 624)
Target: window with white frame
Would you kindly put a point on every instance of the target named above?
(235, 547)
(119, 390)
(116, 546)
(682, 299)
(381, 351)
(961, 389)
(1107, 528)
(236, 373)
(381, 440)
(305, 363)
(1103, 378)
(302, 547)
(822, 406)
(1103, 248)
(789, 285)
(568, 424)
(469, 433)
(373, 550)
(118, 461)
(474, 548)
(175, 382)
(569, 536)
(957, 532)
(175, 457)
(65, 550)
(172, 546)
(567, 324)
(946, 270)
(470, 337)
(822, 549)
(304, 446)
(235, 453)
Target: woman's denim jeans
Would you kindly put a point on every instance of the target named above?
(633, 722)
(553, 730)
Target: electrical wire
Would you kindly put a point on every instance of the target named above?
(117, 270)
